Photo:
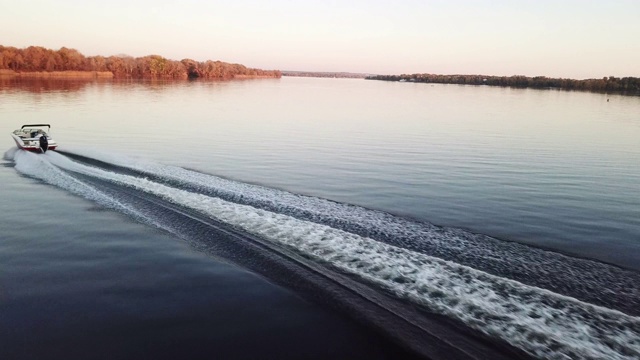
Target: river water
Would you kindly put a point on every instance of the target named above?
(514, 213)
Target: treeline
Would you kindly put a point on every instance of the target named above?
(627, 85)
(39, 59)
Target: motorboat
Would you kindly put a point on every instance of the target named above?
(34, 138)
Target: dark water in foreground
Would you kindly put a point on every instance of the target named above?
(79, 282)
(157, 252)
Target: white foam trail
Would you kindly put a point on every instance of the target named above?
(9, 154)
(40, 166)
(538, 321)
(587, 280)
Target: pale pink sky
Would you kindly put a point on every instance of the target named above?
(576, 39)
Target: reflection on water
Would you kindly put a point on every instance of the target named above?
(53, 84)
(43, 85)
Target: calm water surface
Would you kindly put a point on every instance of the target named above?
(549, 168)
(555, 170)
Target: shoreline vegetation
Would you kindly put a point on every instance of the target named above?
(625, 85)
(39, 62)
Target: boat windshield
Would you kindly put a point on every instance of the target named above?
(29, 132)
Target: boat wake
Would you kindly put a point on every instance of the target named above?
(541, 303)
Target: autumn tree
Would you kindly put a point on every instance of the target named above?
(36, 58)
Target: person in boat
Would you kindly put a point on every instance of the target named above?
(44, 143)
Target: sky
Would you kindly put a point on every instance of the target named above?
(571, 39)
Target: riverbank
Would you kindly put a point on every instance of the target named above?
(37, 61)
(611, 84)
(91, 75)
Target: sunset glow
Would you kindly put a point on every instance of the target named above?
(573, 39)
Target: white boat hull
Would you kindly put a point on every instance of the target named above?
(25, 142)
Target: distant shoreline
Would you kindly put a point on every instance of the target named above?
(325, 74)
(625, 85)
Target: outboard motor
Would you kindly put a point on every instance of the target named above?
(44, 143)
